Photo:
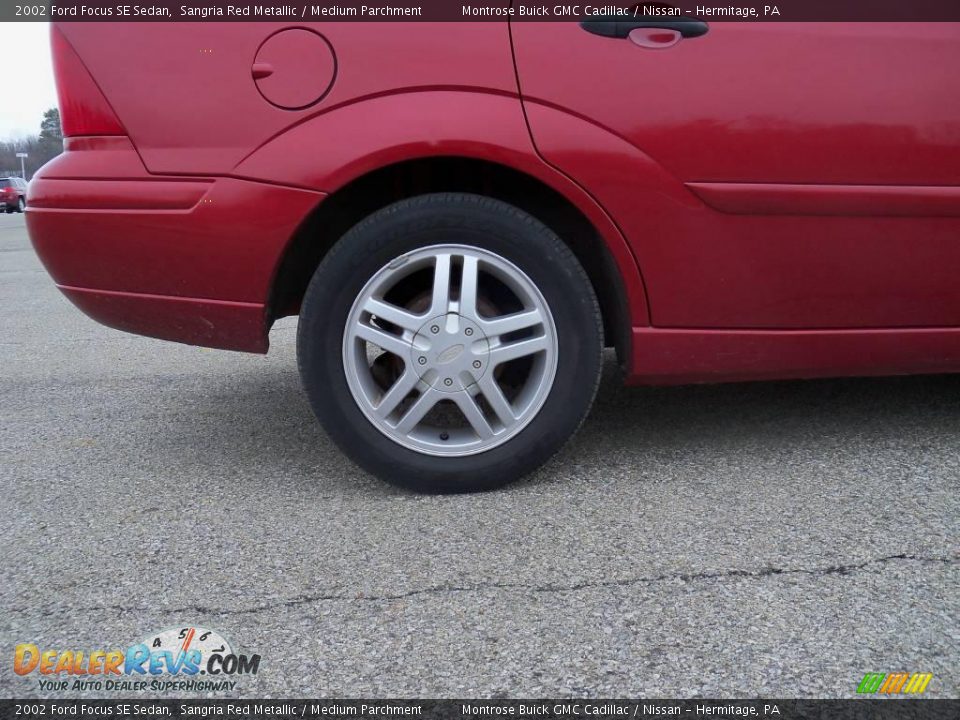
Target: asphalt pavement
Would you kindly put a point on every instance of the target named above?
(768, 539)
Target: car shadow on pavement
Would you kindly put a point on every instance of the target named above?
(259, 422)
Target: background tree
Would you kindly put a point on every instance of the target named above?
(50, 126)
(41, 148)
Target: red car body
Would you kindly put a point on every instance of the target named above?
(769, 200)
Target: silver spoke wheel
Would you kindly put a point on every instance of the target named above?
(450, 350)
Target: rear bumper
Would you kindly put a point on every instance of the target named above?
(211, 323)
(180, 258)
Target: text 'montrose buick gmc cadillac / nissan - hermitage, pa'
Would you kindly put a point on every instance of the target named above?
(464, 214)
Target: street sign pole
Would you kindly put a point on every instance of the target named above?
(23, 172)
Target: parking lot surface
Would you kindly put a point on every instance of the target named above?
(777, 539)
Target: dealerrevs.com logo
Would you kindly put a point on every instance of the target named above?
(182, 659)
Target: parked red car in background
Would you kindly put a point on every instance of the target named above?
(464, 214)
(13, 194)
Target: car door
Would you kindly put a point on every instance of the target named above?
(766, 175)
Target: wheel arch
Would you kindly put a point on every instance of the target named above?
(397, 144)
(363, 195)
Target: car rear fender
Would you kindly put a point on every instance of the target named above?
(331, 150)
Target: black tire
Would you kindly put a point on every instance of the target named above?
(471, 220)
(21, 204)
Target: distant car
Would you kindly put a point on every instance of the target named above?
(463, 214)
(13, 194)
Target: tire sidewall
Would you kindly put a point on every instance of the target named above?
(446, 220)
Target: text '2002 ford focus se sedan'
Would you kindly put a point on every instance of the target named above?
(464, 214)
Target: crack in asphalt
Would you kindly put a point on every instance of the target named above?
(546, 588)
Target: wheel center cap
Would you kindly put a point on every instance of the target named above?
(450, 353)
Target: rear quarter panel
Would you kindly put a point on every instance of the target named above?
(187, 98)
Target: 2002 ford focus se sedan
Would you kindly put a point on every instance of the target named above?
(464, 214)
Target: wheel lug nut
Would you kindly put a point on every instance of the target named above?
(477, 364)
(448, 381)
(435, 329)
(422, 361)
(468, 332)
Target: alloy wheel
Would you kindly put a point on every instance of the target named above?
(450, 350)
